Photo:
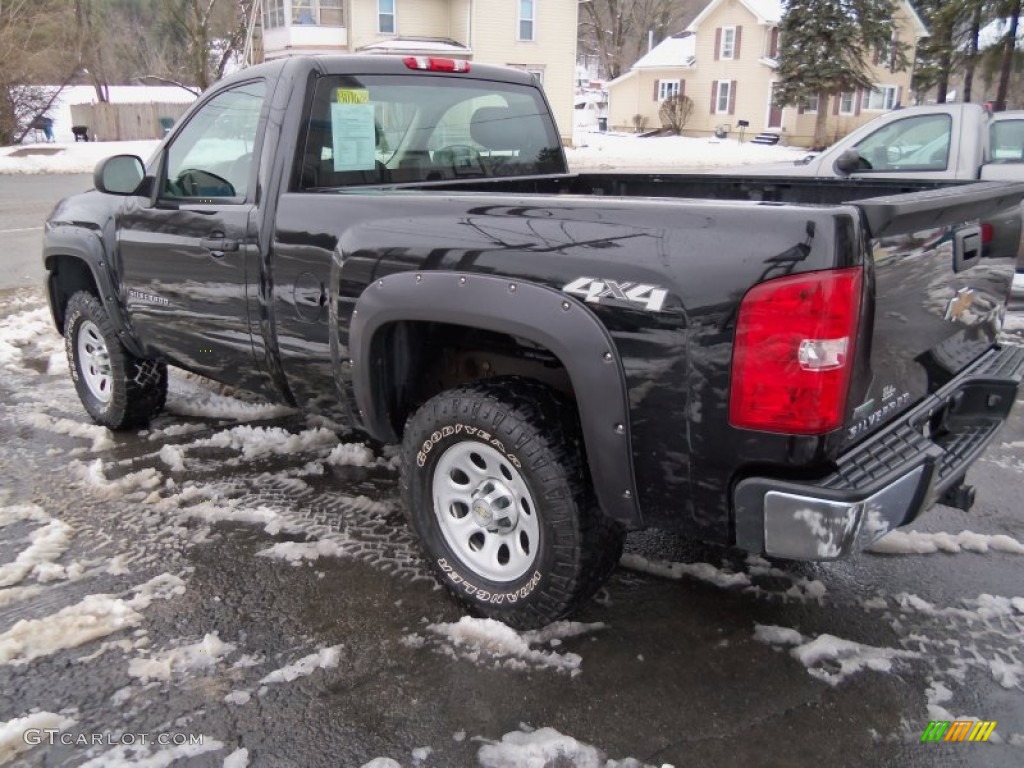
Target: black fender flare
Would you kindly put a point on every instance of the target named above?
(85, 245)
(540, 314)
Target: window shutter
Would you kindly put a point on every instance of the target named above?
(656, 83)
(732, 97)
(714, 96)
(801, 107)
(718, 42)
(835, 107)
(899, 94)
(892, 54)
(856, 101)
(736, 43)
(682, 87)
(773, 50)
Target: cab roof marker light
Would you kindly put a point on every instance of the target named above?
(434, 64)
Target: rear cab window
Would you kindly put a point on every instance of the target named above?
(1006, 141)
(387, 129)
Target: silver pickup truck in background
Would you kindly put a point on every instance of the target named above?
(936, 141)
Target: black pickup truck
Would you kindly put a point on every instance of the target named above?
(789, 366)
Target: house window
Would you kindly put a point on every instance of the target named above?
(772, 43)
(526, 19)
(846, 103)
(331, 13)
(809, 104)
(273, 14)
(667, 89)
(722, 97)
(882, 98)
(386, 17)
(728, 47)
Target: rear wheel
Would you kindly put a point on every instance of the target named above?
(118, 390)
(495, 486)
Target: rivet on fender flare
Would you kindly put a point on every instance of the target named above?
(565, 306)
(607, 357)
(462, 281)
(627, 494)
(619, 429)
(512, 288)
(380, 283)
(419, 278)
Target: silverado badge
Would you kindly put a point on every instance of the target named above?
(959, 304)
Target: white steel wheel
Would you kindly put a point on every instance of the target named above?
(485, 511)
(94, 358)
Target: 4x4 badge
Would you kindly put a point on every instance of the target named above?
(598, 290)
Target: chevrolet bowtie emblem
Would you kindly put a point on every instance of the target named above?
(960, 303)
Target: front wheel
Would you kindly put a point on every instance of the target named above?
(495, 487)
(119, 390)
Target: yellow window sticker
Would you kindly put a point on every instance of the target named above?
(352, 96)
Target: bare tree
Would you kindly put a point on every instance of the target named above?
(33, 38)
(617, 32)
(1009, 47)
(675, 111)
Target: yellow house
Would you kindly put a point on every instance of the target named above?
(534, 35)
(725, 62)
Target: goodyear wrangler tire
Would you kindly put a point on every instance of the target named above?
(495, 487)
(119, 390)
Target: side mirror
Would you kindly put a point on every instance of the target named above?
(119, 175)
(850, 161)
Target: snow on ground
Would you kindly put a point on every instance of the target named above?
(527, 748)
(188, 396)
(102, 438)
(12, 733)
(829, 658)
(601, 152)
(491, 643)
(144, 756)
(39, 558)
(80, 157)
(917, 542)
(29, 336)
(604, 151)
(325, 658)
(703, 571)
(237, 759)
(202, 656)
(255, 442)
(95, 616)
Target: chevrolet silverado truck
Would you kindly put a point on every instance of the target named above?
(792, 368)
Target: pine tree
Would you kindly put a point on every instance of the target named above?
(825, 48)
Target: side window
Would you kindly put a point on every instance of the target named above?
(1006, 141)
(919, 143)
(212, 157)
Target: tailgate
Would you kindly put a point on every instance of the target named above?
(938, 305)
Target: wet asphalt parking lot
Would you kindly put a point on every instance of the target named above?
(240, 578)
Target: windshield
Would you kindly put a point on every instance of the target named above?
(387, 130)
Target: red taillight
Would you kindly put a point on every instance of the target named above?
(986, 233)
(433, 64)
(793, 353)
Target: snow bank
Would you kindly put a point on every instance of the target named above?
(237, 759)
(80, 157)
(671, 153)
(326, 658)
(918, 543)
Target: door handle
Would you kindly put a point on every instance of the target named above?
(218, 246)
